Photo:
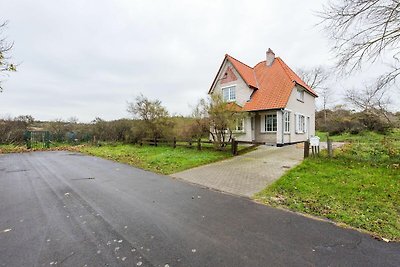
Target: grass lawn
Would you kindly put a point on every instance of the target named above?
(359, 187)
(161, 159)
(363, 137)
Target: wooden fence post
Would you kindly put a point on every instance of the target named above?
(199, 144)
(174, 144)
(155, 141)
(234, 146)
(306, 149)
(190, 143)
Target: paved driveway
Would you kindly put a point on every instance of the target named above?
(67, 209)
(246, 174)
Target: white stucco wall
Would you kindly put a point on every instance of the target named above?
(245, 135)
(267, 137)
(243, 93)
(306, 108)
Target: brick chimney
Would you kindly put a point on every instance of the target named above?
(270, 57)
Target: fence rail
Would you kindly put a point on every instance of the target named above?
(174, 142)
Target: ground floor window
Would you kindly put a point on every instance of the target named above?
(270, 124)
(240, 125)
(286, 117)
(300, 123)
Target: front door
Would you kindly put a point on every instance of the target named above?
(253, 123)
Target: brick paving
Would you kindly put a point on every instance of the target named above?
(246, 174)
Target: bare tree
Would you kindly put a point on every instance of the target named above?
(5, 48)
(218, 117)
(59, 128)
(363, 30)
(315, 78)
(12, 129)
(73, 120)
(370, 100)
(155, 116)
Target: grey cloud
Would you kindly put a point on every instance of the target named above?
(87, 58)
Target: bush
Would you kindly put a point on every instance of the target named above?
(12, 129)
(341, 120)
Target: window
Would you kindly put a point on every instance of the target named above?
(240, 125)
(300, 95)
(286, 117)
(229, 93)
(270, 123)
(300, 123)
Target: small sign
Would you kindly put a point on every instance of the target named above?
(314, 141)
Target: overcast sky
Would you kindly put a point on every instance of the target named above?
(86, 59)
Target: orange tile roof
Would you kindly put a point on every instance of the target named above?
(233, 106)
(273, 84)
(245, 71)
(295, 77)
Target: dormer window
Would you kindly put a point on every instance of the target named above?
(229, 93)
(300, 95)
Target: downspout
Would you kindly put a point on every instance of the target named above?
(283, 126)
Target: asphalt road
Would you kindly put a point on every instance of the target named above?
(66, 209)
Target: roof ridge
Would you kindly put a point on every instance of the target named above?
(238, 61)
(259, 63)
(246, 72)
(281, 62)
(284, 66)
(255, 78)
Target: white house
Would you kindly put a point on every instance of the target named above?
(280, 106)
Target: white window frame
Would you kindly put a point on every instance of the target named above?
(286, 122)
(300, 95)
(231, 89)
(301, 123)
(265, 122)
(241, 123)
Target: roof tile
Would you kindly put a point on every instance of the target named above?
(273, 84)
(245, 71)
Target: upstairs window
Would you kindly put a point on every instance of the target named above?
(229, 93)
(300, 95)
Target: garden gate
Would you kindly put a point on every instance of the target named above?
(37, 139)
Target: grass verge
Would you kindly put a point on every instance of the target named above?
(161, 159)
(18, 148)
(359, 187)
(363, 137)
